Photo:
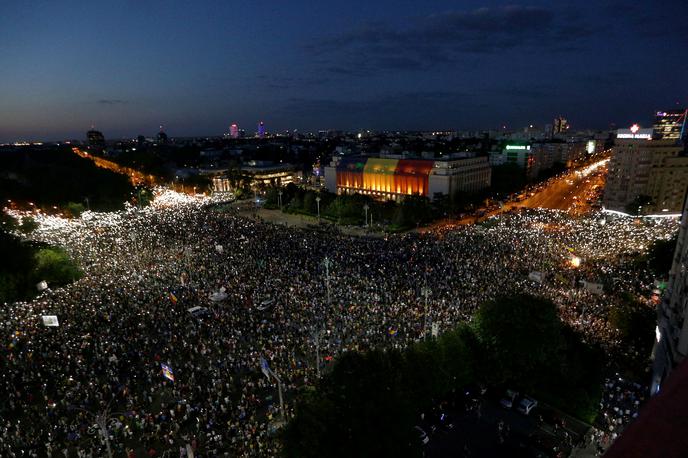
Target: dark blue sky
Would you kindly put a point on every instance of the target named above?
(196, 66)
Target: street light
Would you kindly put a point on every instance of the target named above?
(101, 419)
(575, 261)
(279, 195)
(317, 201)
(425, 291)
(366, 207)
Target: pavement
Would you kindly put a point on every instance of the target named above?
(546, 432)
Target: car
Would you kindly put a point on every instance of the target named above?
(526, 405)
(422, 436)
(508, 400)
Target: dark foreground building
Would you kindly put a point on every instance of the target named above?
(660, 429)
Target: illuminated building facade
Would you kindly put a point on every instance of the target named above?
(261, 129)
(640, 166)
(521, 155)
(560, 126)
(386, 178)
(261, 173)
(670, 125)
(96, 139)
(234, 131)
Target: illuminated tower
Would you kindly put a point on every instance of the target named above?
(261, 129)
(162, 137)
(234, 131)
(670, 125)
(560, 125)
(95, 138)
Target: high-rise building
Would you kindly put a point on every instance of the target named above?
(96, 139)
(670, 125)
(671, 344)
(560, 126)
(234, 131)
(261, 129)
(653, 173)
(162, 137)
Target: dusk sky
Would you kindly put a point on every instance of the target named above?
(197, 66)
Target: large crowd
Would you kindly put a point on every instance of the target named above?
(270, 292)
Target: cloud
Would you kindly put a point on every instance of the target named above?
(396, 101)
(288, 82)
(445, 38)
(650, 19)
(111, 102)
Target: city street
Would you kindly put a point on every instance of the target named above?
(574, 192)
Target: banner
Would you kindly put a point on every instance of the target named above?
(50, 320)
(536, 276)
(265, 304)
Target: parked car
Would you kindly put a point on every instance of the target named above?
(508, 400)
(526, 405)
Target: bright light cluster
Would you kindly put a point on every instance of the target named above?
(584, 172)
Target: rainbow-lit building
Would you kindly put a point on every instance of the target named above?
(389, 178)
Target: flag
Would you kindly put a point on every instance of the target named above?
(173, 298)
(167, 372)
(264, 367)
(392, 332)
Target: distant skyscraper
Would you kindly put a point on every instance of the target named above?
(560, 126)
(95, 138)
(261, 129)
(670, 125)
(162, 137)
(234, 131)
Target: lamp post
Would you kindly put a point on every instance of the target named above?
(316, 339)
(279, 196)
(327, 263)
(317, 201)
(101, 419)
(425, 291)
(366, 207)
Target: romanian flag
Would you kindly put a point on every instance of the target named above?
(167, 372)
(392, 332)
(173, 298)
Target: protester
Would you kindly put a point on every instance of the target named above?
(144, 270)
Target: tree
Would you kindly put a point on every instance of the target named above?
(527, 347)
(74, 209)
(508, 178)
(54, 266)
(521, 335)
(638, 205)
(28, 225)
(661, 255)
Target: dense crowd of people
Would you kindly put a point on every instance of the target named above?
(293, 297)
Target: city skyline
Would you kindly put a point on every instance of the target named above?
(389, 66)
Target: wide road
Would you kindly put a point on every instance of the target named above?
(571, 192)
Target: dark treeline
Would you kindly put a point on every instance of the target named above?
(25, 264)
(368, 404)
(58, 177)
